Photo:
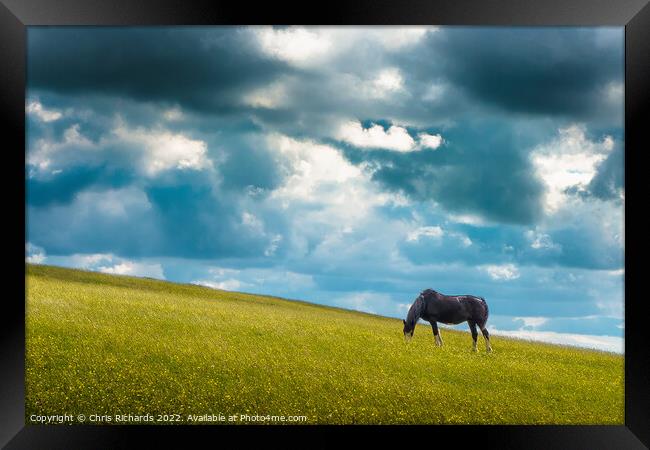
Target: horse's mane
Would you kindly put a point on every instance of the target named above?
(418, 306)
(415, 311)
(428, 293)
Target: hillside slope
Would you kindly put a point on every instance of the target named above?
(104, 344)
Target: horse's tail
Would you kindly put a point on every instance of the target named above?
(487, 310)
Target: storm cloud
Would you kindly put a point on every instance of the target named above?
(352, 166)
(198, 68)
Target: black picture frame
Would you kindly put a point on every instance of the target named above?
(16, 15)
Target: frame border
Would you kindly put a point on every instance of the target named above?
(16, 15)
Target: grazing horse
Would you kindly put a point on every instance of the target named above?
(435, 307)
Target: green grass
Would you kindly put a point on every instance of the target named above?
(104, 344)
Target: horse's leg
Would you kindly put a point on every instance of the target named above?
(472, 328)
(486, 335)
(436, 333)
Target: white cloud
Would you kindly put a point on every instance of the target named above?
(328, 200)
(253, 222)
(541, 241)
(134, 269)
(608, 343)
(616, 273)
(115, 203)
(614, 92)
(365, 87)
(370, 302)
(173, 114)
(49, 156)
(221, 272)
(468, 219)
(387, 81)
(403, 307)
(395, 38)
(531, 322)
(35, 108)
(386, 84)
(295, 45)
(570, 160)
(34, 254)
(272, 96)
(154, 150)
(319, 174)
(290, 281)
(273, 245)
(163, 150)
(73, 136)
(260, 281)
(464, 240)
(321, 162)
(600, 222)
(88, 261)
(256, 226)
(502, 272)
(112, 264)
(312, 46)
(610, 306)
(395, 138)
(434, 232)
(434, 92)
(225, 285)
(432, 141)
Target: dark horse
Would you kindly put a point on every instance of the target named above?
(435, 307)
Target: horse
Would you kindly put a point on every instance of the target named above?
(435, 307)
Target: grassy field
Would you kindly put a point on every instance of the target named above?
(106, 345)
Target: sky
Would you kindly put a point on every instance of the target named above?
(347, 166)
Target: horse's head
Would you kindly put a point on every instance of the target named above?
(414, 314)
(409, 328)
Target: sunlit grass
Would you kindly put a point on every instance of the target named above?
(103, 344)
